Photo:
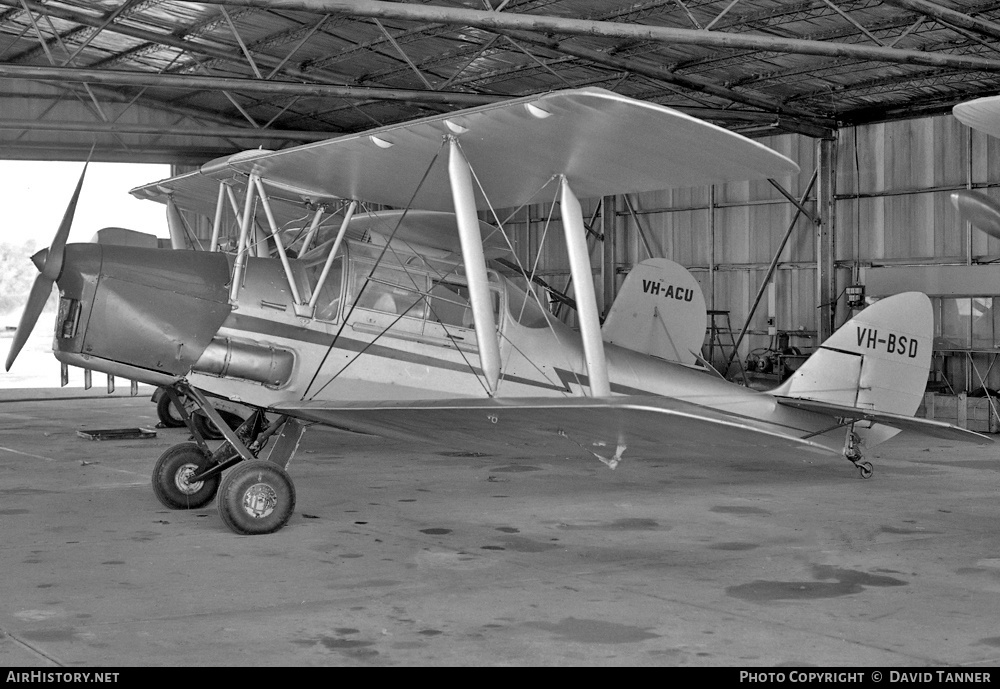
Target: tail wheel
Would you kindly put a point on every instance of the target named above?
(168, 414)
(171, 473)
(256, 497)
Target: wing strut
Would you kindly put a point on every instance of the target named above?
(475, 264)
(174, 224)
(217, 221)
(583, 285)
(311, 308)
(243, 247)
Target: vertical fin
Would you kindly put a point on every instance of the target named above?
(659, 311)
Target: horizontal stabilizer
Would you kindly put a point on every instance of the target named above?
(936, 429)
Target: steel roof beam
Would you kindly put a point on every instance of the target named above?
(130, 78)
(506, 21)
(118, 128)
(662, 74)
(197, 48)
(949, 16)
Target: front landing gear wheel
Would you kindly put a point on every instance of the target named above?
(256, 497)
(866, 469)
(171, 473)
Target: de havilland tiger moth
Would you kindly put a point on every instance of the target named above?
(326, 308)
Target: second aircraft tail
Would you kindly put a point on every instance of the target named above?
(876, 362)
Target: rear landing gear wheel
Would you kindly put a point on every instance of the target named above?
(256, 497)
(168, 414)
(866, 469)
(171, 473)
(207, 427)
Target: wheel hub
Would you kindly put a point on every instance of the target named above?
(259, 500)
(182, 476)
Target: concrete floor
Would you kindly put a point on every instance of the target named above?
(434, 556)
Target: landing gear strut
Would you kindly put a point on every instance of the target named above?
(257, 496)
(852, 450)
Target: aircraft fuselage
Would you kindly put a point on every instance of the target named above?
(406, 334)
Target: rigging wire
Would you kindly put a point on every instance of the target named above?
(347, 316)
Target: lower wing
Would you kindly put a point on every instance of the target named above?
(609, 429)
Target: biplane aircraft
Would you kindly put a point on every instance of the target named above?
(327, 308)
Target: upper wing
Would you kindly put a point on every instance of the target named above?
(602, 142)
(982, 114)
(937, 429)
(610, 429)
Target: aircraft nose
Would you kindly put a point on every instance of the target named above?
(39, 259)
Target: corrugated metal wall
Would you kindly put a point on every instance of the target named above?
(892, 207)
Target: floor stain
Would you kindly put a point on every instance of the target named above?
(144, 536)
(408, 645)
(355, 649)
(435, 532)
(899, 531)
(67, 634)
(627, 524)
(848, 582)
(633, 524)
(508, 529)
(990, 641)
(738, 509)
(733, 546)
(521, 544)
(516, 468)
(594, 631)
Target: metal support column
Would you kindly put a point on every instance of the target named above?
(609, 206)
(463, 195)
(583, 285)
(826, 277)
(711, 248)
